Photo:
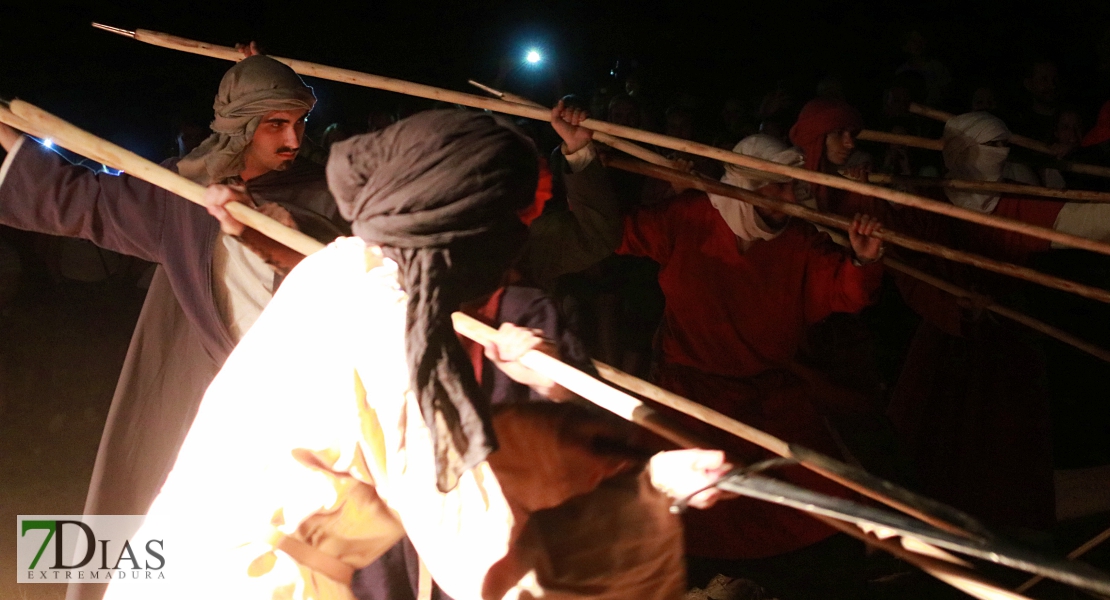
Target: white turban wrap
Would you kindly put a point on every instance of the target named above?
(740, 216)
(253, 88)
(968, 157)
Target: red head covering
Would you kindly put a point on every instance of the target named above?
(1101, 131)
(820, 117)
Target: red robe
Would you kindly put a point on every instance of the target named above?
(732, 325)
(1007, 245)
(971, 406)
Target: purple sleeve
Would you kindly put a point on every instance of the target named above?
(41, 191)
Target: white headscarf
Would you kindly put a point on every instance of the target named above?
(740, 216)
(968, 157)
(253, 88)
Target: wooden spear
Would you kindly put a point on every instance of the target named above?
(1019, 140)
(88, 145)
(900, 139)
(1020, 189)
(994, 307)
(838, 222)
(540, 114)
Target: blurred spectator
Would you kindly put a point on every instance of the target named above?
(937, 78)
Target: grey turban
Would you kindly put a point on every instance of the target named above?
(254, 87)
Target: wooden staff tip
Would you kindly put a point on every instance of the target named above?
(485, 88)
(116, 30)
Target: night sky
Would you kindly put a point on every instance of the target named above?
(131, 93)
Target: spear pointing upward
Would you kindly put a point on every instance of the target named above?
(647, 137)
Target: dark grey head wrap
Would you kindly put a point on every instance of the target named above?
(253, 88)
(440, 192)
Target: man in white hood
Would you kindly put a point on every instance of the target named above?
(976, 147)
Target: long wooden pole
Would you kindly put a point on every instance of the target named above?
(633, 410)
(86, 144)
(945, 286)
(900, 139)
(540, 114)
(1020, 189)
(838, 222)
(943, 116)
(12, 120)
(1019, 140)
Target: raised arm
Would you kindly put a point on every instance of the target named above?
(843, 282)
(41, 191)
(567, 241)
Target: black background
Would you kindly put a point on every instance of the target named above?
(133, 93)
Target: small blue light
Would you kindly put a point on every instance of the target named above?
(49, 143)
(533, 57)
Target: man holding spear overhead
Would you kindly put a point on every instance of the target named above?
(208, 289)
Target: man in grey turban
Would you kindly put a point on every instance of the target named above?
(208, 288)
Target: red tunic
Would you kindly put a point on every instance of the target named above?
(1010, 246)
(732, 325)
(971, 406)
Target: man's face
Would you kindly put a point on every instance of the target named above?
(779, 191)
(838, 145)
(277, 140)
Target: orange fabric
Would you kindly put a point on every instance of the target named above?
(732, 325)
(739, 314)
(543, 194)
(487, 313)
